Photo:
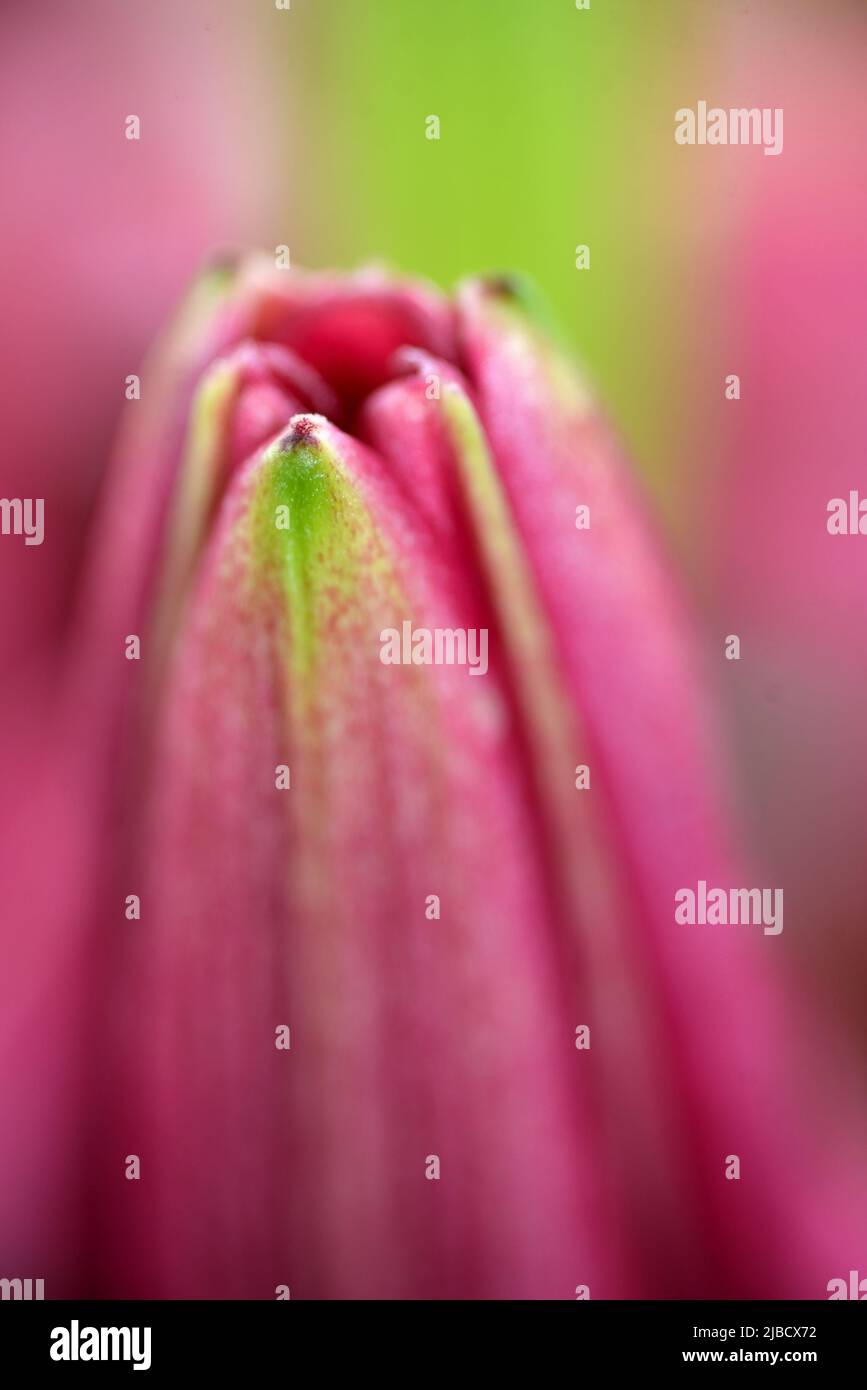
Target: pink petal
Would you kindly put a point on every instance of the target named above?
(624, 649)
(410, 1037)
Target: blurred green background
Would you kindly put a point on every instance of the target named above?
(556, 130)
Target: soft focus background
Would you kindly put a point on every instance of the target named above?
(307, 127)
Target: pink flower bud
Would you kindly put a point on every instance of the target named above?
(408, 1011)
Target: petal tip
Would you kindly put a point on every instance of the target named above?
(303, 430)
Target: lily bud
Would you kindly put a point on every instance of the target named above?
(408, 1012)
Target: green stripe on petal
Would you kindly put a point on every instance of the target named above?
(314, 536)
(596, 898)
